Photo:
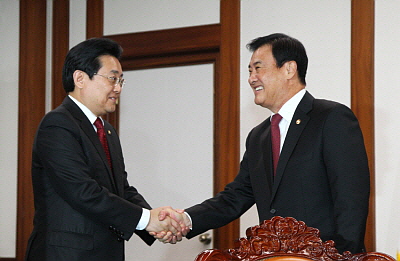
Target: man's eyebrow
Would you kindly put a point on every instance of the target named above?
(255, 63)
(116, 72)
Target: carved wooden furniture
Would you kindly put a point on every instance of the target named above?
(285, 239)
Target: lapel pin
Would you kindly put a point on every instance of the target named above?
(109, 132)
(298, 121)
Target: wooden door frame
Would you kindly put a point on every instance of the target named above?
(214, 43)
(362, 92)
(32, 97)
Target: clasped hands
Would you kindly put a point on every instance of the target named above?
(168, 225)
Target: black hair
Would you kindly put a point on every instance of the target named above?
(85, 57)
(284, 49)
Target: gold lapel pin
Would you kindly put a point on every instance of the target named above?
(109, 132)
(298, 121)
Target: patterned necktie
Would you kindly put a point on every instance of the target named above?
(276, 139)
(102, 136)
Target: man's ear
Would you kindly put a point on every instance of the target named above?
(291, 69)
(79, 78)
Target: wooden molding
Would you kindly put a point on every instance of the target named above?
(173, 47)
(173, 41)
(362, 92)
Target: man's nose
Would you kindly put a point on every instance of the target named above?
(117, 88)
(252, 78)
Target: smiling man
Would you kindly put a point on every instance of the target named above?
(306, 161)
(84, 207)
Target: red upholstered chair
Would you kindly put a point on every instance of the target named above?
(285, 239)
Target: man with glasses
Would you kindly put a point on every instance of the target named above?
(84, 207)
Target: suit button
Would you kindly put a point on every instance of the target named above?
(110, 228)
(120, 239)
(272, 211)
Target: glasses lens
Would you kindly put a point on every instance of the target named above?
(121, 82)
(115, 81)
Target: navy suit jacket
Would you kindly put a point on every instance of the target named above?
(322, 177)
(83, 209)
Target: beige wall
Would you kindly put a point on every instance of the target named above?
(387, 126)
(9, 35)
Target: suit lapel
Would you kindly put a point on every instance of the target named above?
(87, 128)
(296, 127)
(113, 147)
(267, 152)
(260, 161)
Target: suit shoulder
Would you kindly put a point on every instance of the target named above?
(58, 117)
(262, 125)
(322, 105)
(333, 114)
(327, 104)
(259, 129)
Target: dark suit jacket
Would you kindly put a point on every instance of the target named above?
(83, 210)
(322, 177)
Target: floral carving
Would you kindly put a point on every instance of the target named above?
(285, 237)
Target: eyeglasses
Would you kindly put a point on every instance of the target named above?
(114, 80)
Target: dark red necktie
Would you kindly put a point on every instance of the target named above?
(276, 139)
(102, 136)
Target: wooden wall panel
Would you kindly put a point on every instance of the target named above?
(227, 113)
(32, 84)
(60, 47)
(94, 18)
(362, 91)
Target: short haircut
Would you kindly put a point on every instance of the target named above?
(284, 49)
(85, 56)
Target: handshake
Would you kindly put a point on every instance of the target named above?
(168, 225)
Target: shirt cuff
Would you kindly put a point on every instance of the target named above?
(144, 220)
(191, 223)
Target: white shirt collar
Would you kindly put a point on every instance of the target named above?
(89, 114)
(288, 109)
(287, 112)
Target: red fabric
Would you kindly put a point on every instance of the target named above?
(102, 136)
(276, 139)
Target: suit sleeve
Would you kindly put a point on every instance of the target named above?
(133, 196)
(64, 156)
(347, 168)
(226, 206)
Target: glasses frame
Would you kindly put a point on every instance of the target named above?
(116, 80)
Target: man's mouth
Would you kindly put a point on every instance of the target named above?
(115, 99)
(259, 88)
